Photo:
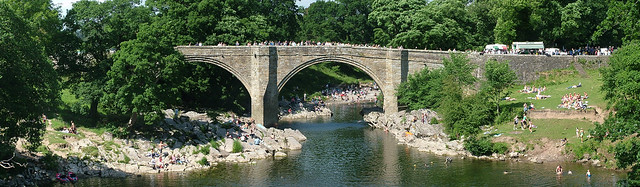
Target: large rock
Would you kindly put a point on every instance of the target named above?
(293, 144)
(294, 133)
(228, 145)
(280, 154)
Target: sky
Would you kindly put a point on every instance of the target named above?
(66, 4)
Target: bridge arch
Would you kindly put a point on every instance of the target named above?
(315, 61)
(223, 65)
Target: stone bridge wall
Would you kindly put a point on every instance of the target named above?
(264, 70)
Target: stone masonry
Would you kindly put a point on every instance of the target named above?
(264, 70)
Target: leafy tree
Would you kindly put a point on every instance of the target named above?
(499, 78)
(28, 83)
(392, 17)
(145, 75)
(621, 22)
(100, 28)
(321, 22)
(458, 69)
(627, 153)
(422, 89)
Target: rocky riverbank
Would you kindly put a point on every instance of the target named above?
(182, 142)
(415, 129)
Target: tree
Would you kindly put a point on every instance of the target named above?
(393, 17)
(144, 78)
(458, 69)
(99, 28)
(422, 89)
(627, 153)
(621, 85)
(621, 21)
(28, 83)
(499, 78)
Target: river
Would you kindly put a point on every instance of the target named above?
(343, 151)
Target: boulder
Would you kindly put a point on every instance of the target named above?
(293, 144)
(228, 145)
(514, 155)
(280, 154)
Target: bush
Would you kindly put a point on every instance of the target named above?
(237, 146)
(203, 161)
(500, 147)
(215, 144)
(126, 160)
(204, 150)
(478, 147)
(589, 146)
(91, 151)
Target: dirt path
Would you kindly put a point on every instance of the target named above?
(594, 114)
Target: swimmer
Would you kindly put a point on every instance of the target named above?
(505, 172)
(588, 173)
(559, 169)
(569, 172)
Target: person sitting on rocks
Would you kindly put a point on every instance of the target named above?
(73, 128)
(152, 163)
(172, 159)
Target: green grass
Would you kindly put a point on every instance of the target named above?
(554, 129)
(110, 145)
(91, 150)
(237, 146)
(314, 78)
(57, 124)
(59, 137)
(557, 84)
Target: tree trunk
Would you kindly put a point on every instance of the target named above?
(132, 121)
(93, 111)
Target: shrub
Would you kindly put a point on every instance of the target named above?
(214, 144)
(500, 147)
(126, 160)
(237, 146)
(204, 150)
(203, 161)
(91, 151)
(478, 146)
(588, 147)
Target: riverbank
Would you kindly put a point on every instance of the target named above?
(182, 142)
(417, 129)
(420, 129)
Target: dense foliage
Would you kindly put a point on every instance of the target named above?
(483, 146)
(450, 90)
(621, 85)
(422, 89)
(28, 83)
(499, 78)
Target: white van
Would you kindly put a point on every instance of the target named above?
(552, 51)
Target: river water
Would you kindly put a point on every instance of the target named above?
(343, 151)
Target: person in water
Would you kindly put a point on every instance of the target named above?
(559, 169)
(588, 173)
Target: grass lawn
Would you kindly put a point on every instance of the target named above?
(557, 83)
(554, 129)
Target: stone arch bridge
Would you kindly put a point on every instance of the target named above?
(264, 70)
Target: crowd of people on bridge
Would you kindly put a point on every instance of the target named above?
(587, 50)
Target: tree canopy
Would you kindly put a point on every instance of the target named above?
(28, 83)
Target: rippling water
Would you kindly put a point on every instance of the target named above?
(343, 151)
